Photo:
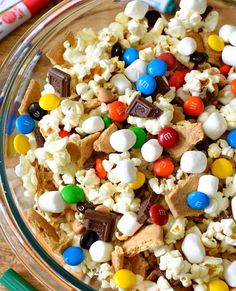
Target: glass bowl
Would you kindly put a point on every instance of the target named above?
(27, 60)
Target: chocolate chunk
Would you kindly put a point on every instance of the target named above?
(199, 57)
(60, 81)
(83, 206)
(178, 101)
(152, 17)
(162, 87)
(117, 51)
(100, 222)
(155, 274)
(38, 136)
(226, 214)
(143, 214)
(208, 10)
(207, 96)
(140, 107)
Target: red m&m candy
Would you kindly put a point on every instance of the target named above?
(163, 168)
(168, 137)
(64, 133)
(100, 171)
(177, 79)
(169, 59)
(194, 106)
(117, 111)
(158, 214)
(224, 70)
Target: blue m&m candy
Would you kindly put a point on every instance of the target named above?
(198, 200)
(146, 84)
(73, 256)
(231, 138)
(130, 55)
(25, 124)
(157, 68)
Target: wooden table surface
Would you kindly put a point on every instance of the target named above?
(7, 258)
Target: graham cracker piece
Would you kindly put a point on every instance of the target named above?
(55, 54)
(91, 104)
(117, 258)
(85, 148)
(44, 178)
(32, 94)
(199, 41)
(41, 225)
(139, 265)
(214, 56)
(189, 135)
(177, 198)
(72, 149)
(102, 144)
(178, 114)
(148, 238)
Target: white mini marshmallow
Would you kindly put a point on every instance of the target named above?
(193, 162)
(136, 9)
(128, 224)
(198, 6)
(134, 71)
(229, 55)
(100, 251)
(151, 150)
(93, 124)
(187, 46)
(214, 126)
(126, 171)
(121, 83)
(51, 201)
(122, 140)
(233, 207)
(232, 38)
(230, 274)
(193, 248)
(225, 31)
(208, 184)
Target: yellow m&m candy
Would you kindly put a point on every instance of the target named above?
(140, 180)
(21, 144)
(218, 285)
(222, 168)
(49, 101)
(125, 279)
(216, 43)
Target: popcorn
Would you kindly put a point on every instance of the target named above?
(229, 113)
(162, 284)
(84, 90)
(72, 111)
(176, 231)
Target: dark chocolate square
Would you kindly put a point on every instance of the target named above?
(60, 81)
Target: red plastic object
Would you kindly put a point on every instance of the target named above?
(35, 5)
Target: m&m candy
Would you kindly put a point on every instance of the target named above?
(224, 70)
(218, 285)
(146, 84)
(158, 214)
(64, 133)
(138, 183)
(125, 279)
(233, 86)
(73, 256)
(163, 167)
(21, 144)
(194, 106)
(168, 137)
(231, 138)
(177, 79)
(36, 112)
(116, 51)
(169, 59)
(49, 102)
(156, 68)
(199, 57)
(72, 194)
(107, 121)
(130, 55)
(100, 171)
(222, 168)
(117, 111)
(198, 200)
(25, 124)
(141, 136)
(216, 43)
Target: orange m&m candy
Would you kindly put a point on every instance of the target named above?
(193, 106)
(117, 111)
(233, 86)
(100, 171)
(163, 167)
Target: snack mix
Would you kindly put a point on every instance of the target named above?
(129, 151)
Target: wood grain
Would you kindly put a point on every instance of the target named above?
(7, 258)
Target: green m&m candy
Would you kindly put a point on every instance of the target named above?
(72, 194)
(107, 121)
(140, 135)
